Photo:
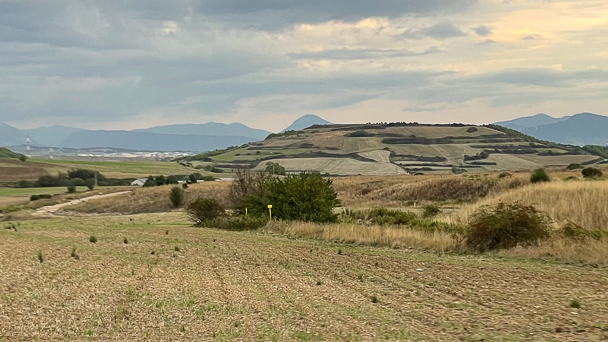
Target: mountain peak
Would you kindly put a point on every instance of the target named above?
(306, 121)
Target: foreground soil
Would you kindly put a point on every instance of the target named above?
(174, 282)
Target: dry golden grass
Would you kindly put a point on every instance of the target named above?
(584, 203)
(374, 235)
(243, 286)
(397, 191)
(153, 199)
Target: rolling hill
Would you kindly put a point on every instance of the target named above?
(398, 148)
(579, 129)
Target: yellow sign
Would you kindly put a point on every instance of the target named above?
(270, 206)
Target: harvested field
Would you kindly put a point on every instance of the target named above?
(337, 166)
(223, 286)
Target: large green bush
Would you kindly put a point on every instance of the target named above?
(539, 175)
(506, 226)
(204, 210)
(305, 197)
(176, 196)
(591, 172)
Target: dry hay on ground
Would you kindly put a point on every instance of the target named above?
(224, 286)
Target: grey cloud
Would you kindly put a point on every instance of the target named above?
(355, 54)
(443, 30)
(483, 30)
(440, 31)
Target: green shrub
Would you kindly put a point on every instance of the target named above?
(575, 232)
(126, 241)
(204, 210)
(305, 197)
(539, 175)
(34, 197)
(430, 210)
(506, 226)
(505, 174)
(71, 189)
(574, 167)
(275, 169)
(575, 303)
(383, 216)
(472, 130)
(40, 257)
(92, 239)
(76, 182)
(90, 183)
(176, 197)
(591, 172)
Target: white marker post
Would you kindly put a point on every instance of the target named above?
(270, 211)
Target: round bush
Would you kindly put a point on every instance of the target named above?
(539, 175)
(506, 226)
(591, 172)
(204, 210)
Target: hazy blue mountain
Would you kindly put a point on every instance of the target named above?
(531, 121)
(49, 136)
(580, 129)
(210, 128)
(306, 121)
(146, 141)
(10, 136)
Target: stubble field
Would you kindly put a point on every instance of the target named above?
(175, 282)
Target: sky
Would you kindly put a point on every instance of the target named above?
(119, 64)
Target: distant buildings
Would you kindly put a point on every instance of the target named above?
(139, 181)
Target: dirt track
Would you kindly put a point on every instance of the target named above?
(50, 210)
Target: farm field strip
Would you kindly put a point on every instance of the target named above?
(220, 285)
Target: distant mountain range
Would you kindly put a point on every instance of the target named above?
(183, 137)
(579, 129)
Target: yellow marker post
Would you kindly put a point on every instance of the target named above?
(270, 211)
(245, 211)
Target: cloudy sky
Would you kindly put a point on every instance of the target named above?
(119, 64)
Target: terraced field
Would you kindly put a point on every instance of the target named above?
(369, 150)
(174, 282)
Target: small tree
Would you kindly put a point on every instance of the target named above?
(204, 210)
(275, 169)
(591, 172)
(176, 197)
(539, 175)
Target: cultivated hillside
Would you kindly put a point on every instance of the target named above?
(398, 148)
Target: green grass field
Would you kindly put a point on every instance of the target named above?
(116, 169)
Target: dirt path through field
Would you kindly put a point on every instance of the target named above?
(50, 210)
